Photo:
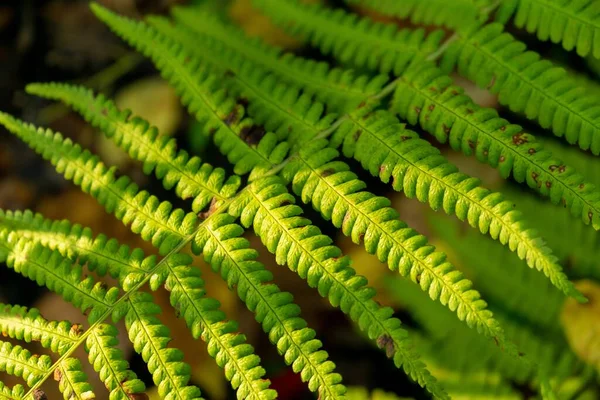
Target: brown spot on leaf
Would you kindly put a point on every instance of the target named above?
(404, 138)
(327, 172)
(362, 104)
(446, 129)
(548, 184)
(232, 117)
(57, 375)
(137, 396)
(531, 150)
(229, 73)
(417, 110)
(535, 176)
(38, 394)
(502, 159)
(503, 128)
(104, 111)
(492, 82)
(485, 153)
(76, 330)
(211, 209)
(518, 139)
(242, 101)
(472, 144)
(581, 185)
(590, 215)
(252, 134)
(562, 168)
(387, 343)
(431, 107)
(357, 134)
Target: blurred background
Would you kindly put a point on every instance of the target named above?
(60, 40)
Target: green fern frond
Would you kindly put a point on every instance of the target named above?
(430, 12)
(427, 96)
(341, 89)
(269, 207)
(575, 24)
(337, 194)
(18, 322)
(350, 39)
(108, 361)
(202, 93)
(99, 254)
(501, 278)
(580, 249)
(313, 363)
(292, 115)
(16, 392)
(524, 82)
(388, 150)
(188, 175)
(150, 338)
(155, 221)
(451, 344)
(19, 362)
(202, 314)
(72, 381)
(230, 255)
(50, 269)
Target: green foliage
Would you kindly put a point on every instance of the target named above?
(284, 123)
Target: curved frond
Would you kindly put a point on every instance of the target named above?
(504, 281)
(109, 362)
(427, 97)
(48, 268)
(269, 207)
(337, 193)
(389, 151)
(230, 255)
(21, 323)
(528, 84)
(574, 24)
(201, 314)
(292, 115)
(155, 221)
(19, 362)
(431, 12)
(201, 92)
(16, 392)
(188, 175)
(341, 89)
(150, 338)
(100, 254)
(452, 345)
(72, 381)
(352, 40)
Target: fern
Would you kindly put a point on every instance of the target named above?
(574, 24)
(430, 12)
(285, 124)
(526, 83)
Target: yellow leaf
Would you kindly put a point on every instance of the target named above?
(581, 323)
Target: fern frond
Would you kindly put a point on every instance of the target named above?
(155, 221)
(313, 363)
(188, 175)
(16, 392)
(580, 249)
(388, 150)
(19, 362)
(270, 209)
(150, 338)
(427, 96)
(72, 381)
(352, 40)
(524, 82)
(341, 89)
(574, 24)
(48, 268)
(453, 345)
(108, 361)
(338, 195)
(501, 277)
(201, 92)
(202, 314)
(292, 115)
(99, 254)
(21, 323)
(430, 12)
(230, 255)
